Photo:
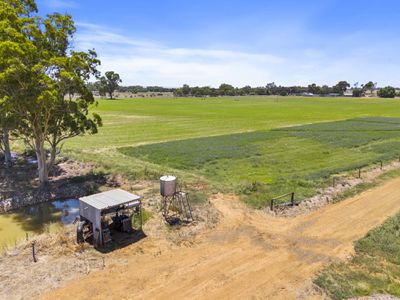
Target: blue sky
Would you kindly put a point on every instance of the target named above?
(252, 42)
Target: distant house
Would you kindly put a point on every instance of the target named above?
(348, 93)
(306, 94)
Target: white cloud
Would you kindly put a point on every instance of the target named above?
(151, 63)
(146, 62)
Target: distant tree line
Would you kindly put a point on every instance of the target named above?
(109, 83)
(144, 89)
(339, 89)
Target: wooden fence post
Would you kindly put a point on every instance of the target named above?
(359, 172)
(292, 199)
(33, 251)
(272, 204)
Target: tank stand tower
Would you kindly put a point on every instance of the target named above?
(175, 203)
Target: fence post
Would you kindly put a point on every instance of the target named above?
(272, 204)
(334, 181)
(359, 172)
(292, 199)
(33, 251)
(381, 165)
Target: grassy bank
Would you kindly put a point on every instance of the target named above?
(375, 267)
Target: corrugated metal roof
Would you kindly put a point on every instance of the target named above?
(110, 198)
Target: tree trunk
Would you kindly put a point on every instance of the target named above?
(42, 164)
(53, 155)
(7, 151)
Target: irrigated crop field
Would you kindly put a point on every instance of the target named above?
(258, 147)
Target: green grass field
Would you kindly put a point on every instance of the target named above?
(258, 147)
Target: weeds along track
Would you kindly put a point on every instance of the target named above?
(248, 254)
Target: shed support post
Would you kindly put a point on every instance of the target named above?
(140, 216)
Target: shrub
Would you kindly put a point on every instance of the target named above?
(357, 92)
(387, 92)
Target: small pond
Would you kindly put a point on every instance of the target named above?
(36, 219)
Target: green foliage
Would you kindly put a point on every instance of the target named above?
(341, 87)
(357, 92)
(270, 89)
(369, 87)
(109, 83)
(146, 216)
(375, 267)
(387, 92)
(226, 90)
(37, 73)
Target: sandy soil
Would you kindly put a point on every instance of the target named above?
(247, 255)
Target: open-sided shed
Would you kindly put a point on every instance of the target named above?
(93, 207)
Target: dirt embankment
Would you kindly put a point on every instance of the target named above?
(247, 255)
(19, 185)
(342, 184)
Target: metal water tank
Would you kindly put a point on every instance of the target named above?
(167, 185)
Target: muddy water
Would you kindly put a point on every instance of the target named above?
(36, 219)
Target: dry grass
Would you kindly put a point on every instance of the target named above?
(59, 259)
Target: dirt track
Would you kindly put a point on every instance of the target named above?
(248, 254)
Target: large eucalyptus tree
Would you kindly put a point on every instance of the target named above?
(39, 74)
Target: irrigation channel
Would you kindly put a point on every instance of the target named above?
(36, 219)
